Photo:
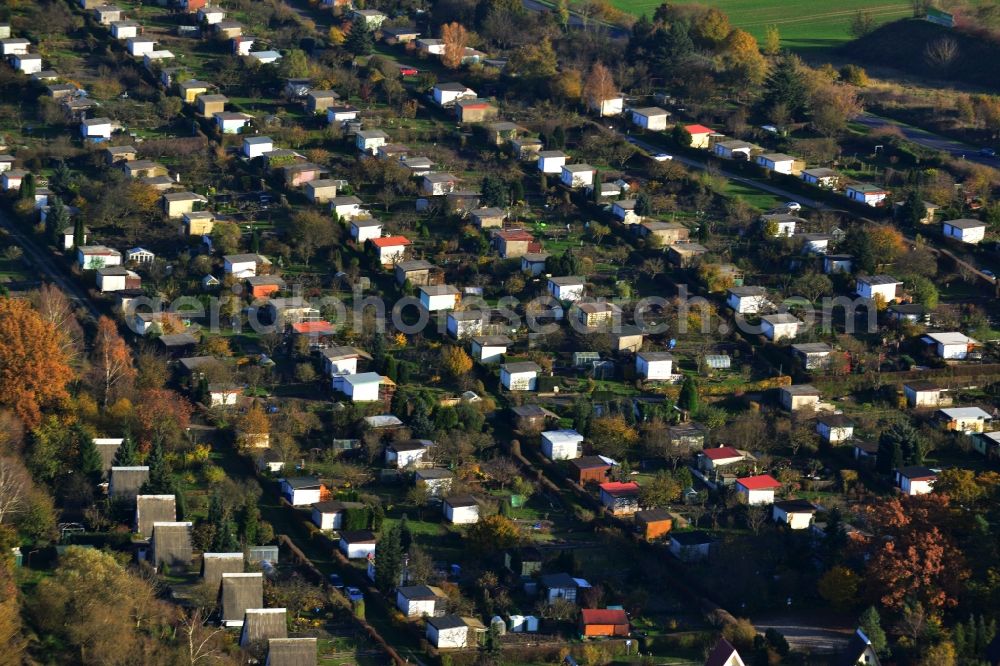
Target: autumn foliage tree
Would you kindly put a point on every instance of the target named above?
(252, 427)
(612, 435)
(913, 556)
(455, 361)
(33, 362)
(455, 38)
(600, 85)
(493, 534)
(111, 361)
(161, 414)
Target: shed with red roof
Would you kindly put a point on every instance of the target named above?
(712, 459)
(622, 499)
(757, 489)
(603, 622)
(390, 249)
(699, 135)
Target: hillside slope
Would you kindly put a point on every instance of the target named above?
(903, 45)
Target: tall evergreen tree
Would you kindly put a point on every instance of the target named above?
(180, 503)
(889, 455)
(559, 137)
(127, 454)
(643, 204)
(871, 624)
(689, 399)
(90, 462)
(389, 559)
(160, 481)
(250, 522)
(405, 535)
(786, 86)
(79, 232)
(494, 191)
(360, 40)
(27, 190)
(913, 211)
(56, 219)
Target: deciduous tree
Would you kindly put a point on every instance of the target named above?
(455, 361)
(493, 534)
(600, 85)
(252, 427)
(839, 586)
(612, 435)
(162, 414)
(913, 557)
(455, 38)
(111, 361)
(33, 362)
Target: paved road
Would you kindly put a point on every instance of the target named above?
(576, 21)
(813, 638)
(929, 139)
(48, 265)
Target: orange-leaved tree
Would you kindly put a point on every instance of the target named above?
(913, 553)
(162, 414)
(111, 361)
(455, 38)
(33, 363)
(253, 428)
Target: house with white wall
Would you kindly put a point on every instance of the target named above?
(863, 193)
(551, 161)
(754, 490)
(797, 514)
(420, 600)
(577, 175)
(357, 545)
(747, 300)
(561, 444)
(651, 118)
(447, 632)
(461, 510)
(446, 94)
(965, 231)
(390, 249)
(951, 345)
(777, 162)
(654, 366)
(407, 453)
(877, 286)
(780, 326)
(92, 257)
(522, 376)
(490, 348)
(835, 428)
(568, 288)
(915, 480)
(361, 387)
(439, 297)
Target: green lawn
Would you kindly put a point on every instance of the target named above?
(804, 24)
(754, 197)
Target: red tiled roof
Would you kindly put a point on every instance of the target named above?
(390, 241)
(617, 488)
(761, 482)
(722, 452)
(604, 616)
(313, 327)
(698, 129)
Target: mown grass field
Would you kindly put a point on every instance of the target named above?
(804, 24)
